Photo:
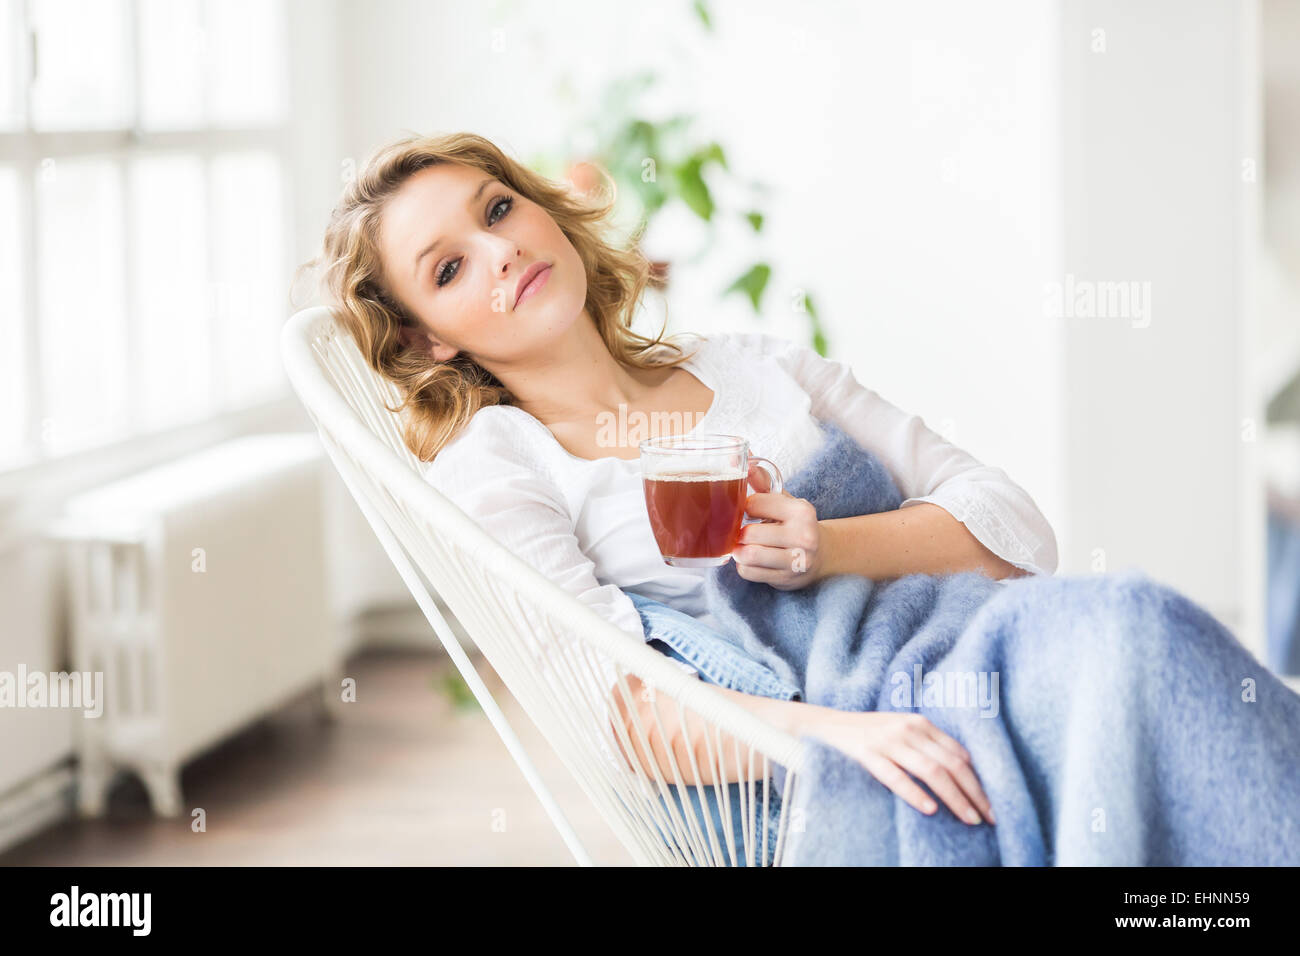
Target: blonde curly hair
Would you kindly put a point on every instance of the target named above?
(439, 398)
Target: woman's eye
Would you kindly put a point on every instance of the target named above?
(444, 274)
(442, 278)
(505, 202)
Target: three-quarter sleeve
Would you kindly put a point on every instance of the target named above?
(926, 467)
(492, 473)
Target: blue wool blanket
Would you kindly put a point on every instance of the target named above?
(1110, 720)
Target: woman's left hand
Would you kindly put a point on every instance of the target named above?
(786, 551)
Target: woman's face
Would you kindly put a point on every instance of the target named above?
(463, 290)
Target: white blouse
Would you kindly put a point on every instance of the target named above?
(583, 523)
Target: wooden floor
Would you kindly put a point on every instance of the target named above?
(402, 777)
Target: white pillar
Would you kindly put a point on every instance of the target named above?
(1158, 107)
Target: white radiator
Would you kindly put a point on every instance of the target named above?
(198, 589)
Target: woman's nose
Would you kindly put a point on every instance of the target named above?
(509, 257)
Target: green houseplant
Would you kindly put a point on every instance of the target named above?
(653, 162)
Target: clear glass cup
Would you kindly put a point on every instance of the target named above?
(696, 487)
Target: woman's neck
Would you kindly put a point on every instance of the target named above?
(579, 381)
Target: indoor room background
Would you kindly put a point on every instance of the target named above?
(1064, 233)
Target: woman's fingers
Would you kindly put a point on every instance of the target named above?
(948, 742)
(960, 769)
(893, 777)
(758, 556)
(940, 781)
(894, 747)
(963, 770)
(936, 766)
(776, 507)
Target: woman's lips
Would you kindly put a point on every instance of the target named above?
(535, 286)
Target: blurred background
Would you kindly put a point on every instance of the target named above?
(1064, 232)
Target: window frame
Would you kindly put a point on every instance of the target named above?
(25, 149)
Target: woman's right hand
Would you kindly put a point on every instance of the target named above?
(892, 746)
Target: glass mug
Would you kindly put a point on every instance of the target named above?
(695, 494)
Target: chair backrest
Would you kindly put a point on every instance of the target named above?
(567, 666)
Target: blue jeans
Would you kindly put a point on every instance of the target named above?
(724, 663)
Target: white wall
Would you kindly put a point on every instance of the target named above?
(33, 739)
(1156, 130)
(316, 126)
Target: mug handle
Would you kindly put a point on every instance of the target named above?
(774, 477)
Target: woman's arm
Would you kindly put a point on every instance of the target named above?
(921, 539)
(926, 467)
(661, 718)
(892, 747)
(794, 549)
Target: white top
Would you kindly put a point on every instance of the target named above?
(583, 523)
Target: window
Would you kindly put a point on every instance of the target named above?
(144, 264)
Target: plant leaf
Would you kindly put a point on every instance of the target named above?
(752, 283)
(693, 189)
(457, 691)
(714, 152)
(702, 12)
(809, 307)
(819, 339)
(818, 332)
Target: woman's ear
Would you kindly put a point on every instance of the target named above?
(423, 340)
(416, 338)
(441, 352)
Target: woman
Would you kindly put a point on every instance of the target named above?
(486, 293)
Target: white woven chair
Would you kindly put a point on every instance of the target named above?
(547, 647)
